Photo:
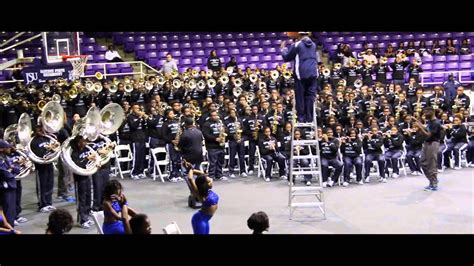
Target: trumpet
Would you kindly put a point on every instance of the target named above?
(262, 85)
(41, 104)
(337, 66)
(358, 83)
(194, 73)
(72, 93)
(383, 60)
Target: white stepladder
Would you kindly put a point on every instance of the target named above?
(306, 196)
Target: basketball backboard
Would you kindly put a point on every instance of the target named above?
(56, 44)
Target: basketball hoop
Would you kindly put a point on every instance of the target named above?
(78, 63)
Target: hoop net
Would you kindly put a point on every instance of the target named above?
(78, 63)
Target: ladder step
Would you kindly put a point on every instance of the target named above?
(305, 194)
(306, 204)
(308, 188)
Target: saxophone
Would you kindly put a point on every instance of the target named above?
(331, 112)
(255, 130)
(275, 123)
(178, 136)
(457, 104)
(238, 132)
(436, 102)
(398, 108)
(418, 105)
(351, 108)
(372, 106)
(222, 134)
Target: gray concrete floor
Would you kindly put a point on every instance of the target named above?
(397, 207)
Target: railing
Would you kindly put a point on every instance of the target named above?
(143, 66)
(457, 73)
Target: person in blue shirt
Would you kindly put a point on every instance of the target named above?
(450, 87)
(5, 227)
(201, 188)
(8, 171)
(303, 52)
(117, 213)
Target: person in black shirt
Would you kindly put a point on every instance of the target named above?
(465, 47)
(429, 152)
(81, 156)
(398, 68)
(351, 148)
(457, 132)
(329, 157)
(267, 146)
(40, 145)
(373, 143)
(232, 63)
(393, 142)
(212, 131)
(171, 128)
(214, 62)
(414, 69)
(137, 123)
(414, 140)
(102, 176)
(236, 143)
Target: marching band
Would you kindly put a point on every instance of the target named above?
(247, 115)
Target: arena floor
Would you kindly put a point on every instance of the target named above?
(397, 207)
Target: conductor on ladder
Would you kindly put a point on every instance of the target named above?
(303, 52)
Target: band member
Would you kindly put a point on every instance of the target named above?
(137, 123)
(299, 150)
(351, 148)
(124, 134)
(214, 135)
(373, 143)
(5, 226)
(267, 146)
(457, 132)
(460, 102)
(40, 146)
(236, 143)
(102, 176)
(329, 148)
(437, 100)
(253, 124)
(430, 149)
(155, 134)
(80, 156)
(17, 161)
(381, 70)
(171, 134)
(398, 68)
(393, 142)
(414, 141)
(305, 82)
(414, 69)
(8, 171)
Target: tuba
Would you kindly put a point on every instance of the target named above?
(128, 88)
(262, 85)
(201, 85)
(10, 135)
(148, 85)
(192, 84)
(326, 72)
(97, 87)
(224, 79)
(99, 75)
(238, 83)
(89, 128)
(337, 66)
(111, 118)
(287, 75)
(113, 88)
(174, 74)
(161, 80)
(52, 120)
(211, 83)
(274, 74)
(253, 78)
(177, 83)
(89, 85)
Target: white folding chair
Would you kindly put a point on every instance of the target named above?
(98, 218)
(204, 165)
(171, 229)
(123, 159)
(158, 163)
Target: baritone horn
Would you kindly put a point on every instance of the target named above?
(238, 83)
(237, 92)
(211, 83)
(358, 83)
(274, 74)
(99, 75)
(224, 80)
(326, 72)
(287, 75)
(177, 83)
